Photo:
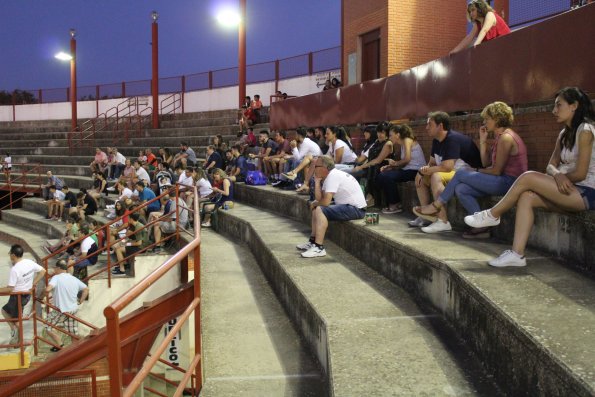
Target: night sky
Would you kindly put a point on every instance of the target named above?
(113, 37)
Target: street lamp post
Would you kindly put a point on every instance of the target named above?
(73, 94)
(242, 53)
(155, 79)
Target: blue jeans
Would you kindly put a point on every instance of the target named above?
(468, 185)
(387, 181)
(343, 212)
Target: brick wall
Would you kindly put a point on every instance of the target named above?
(363, 17)
(411, 32)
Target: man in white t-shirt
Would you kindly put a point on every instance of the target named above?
(56, 197)
(141, 173)
(350, 203)
(24, 275)
(65, 288)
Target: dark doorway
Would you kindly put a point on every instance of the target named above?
(371, 55)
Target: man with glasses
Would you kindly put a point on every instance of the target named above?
(350, 203)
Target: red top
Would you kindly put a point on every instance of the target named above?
(500, 29)
(517, 163)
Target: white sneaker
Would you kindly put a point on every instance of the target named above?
(437, 227)
(14, 337)
(418, 222)
(304, 247)
(314, 252)
(508, 258)
(481, 219)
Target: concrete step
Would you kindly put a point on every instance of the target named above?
(61, 159)
(249, 344)
(201, 115)
(531, 327)
(34, 223)
(370, 337)
(218, 121)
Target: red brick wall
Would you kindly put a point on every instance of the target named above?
(411, 32)
(363, 16)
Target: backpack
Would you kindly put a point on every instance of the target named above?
(256, 178)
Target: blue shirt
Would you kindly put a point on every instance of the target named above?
(148, 195)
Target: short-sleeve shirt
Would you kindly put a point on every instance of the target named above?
(91, 205)
(204, 187)
(86, 245)
(59, 195)
(271, 144)
(215, 157)
(66, 289)
(191, 155)
(148, 195)
(345, 188)
(569, 157)
(458, 147)
(348, 155)
(22, 274)
(285, 147)
(143, 175)
(71, 198)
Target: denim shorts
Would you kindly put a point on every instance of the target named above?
(343, 212)
(588, 196)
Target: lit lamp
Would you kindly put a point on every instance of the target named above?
(155, 78)
(231, 19)
(72, 58)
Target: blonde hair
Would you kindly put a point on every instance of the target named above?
(499, 112)
(220, 172)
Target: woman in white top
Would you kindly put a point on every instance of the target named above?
(340, 148)
(567, 186)
(403, 170)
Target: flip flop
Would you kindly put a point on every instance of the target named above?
(432, 217)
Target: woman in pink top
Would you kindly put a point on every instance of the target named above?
(487, 25)
(504, 162)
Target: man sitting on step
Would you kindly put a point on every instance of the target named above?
(350, 203)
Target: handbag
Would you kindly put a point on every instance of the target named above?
(255, 178)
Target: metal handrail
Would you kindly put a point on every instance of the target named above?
(19, 319)
(112, 315)
(28, 170)
(175, 103)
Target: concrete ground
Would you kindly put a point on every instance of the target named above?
(249, 344)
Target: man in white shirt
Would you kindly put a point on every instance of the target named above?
(308, 150)
(350, 203)
(65, 288)
(118, 163)
(24, 276)
(56, 197)
(142, 173)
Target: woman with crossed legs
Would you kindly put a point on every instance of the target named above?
(567, 186)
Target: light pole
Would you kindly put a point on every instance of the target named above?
(242, 53)
(155, 79)
(72, 58)
(232, 18)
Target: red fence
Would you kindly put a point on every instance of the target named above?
(527, 66)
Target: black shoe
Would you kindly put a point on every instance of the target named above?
(56, 349)
(279, 183)
(118, 272)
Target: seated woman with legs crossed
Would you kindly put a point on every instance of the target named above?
(506, 160)
(567, 186)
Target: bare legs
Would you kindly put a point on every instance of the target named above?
(319, 225)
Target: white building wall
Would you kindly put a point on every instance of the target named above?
(194, 101)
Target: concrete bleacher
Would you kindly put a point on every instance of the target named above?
(530, 327)
(390, 308)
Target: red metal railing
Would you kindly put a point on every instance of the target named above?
(112, 315)
(171, 103)
(23, 178)
(19, 320)
(81, 383)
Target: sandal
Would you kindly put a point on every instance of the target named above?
(432, 217)
(290, 175)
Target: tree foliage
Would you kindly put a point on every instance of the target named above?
(20, 97)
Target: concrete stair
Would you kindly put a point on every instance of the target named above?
(530, 327)
(370, 336)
